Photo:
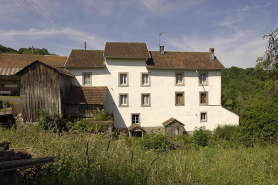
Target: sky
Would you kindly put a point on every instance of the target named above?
(234, 28)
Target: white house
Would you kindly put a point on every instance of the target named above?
(150, 90)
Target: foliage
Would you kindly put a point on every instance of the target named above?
(269, 61)
(201, 136)
(107, 161)
(53, 122)
(88, 126)
(156, 142)
(4, 49)
(102, 116)
(35, 51)
(259, 123)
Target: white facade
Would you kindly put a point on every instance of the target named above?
(162, 91)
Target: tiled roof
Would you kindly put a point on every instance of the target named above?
(9, 70)
(20, 60)
(87, 95)
(170, 121)
(134, 126)
(57, 69)
(183, 60)
(126, 50)
(86, 58)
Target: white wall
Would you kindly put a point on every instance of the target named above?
(162, 95)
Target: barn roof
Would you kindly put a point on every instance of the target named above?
(21, 60)
(183, 60)
(126, 50)
(86, 58)
(170, 121)
(87, 95)
(57, 69)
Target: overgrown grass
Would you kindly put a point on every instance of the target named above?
(124, 161)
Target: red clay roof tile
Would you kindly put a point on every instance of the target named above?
(86, 58)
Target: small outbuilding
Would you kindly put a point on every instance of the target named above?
(173, 127)
(43, 87)
(86, 101)
(135, 130)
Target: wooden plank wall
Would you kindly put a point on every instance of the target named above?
(39, 90)
(65, 85)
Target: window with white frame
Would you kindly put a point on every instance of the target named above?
(146, 100)
(203, 78)
(135, 118)
(203, 98)
(123, 100)
(179, 78)
(87, 78)
(123, 79)
(203, 116)
(145, 79)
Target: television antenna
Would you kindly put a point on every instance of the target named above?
(159, 38)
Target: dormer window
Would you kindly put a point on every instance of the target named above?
(123, 79)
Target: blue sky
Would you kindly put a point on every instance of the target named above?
(233, 28)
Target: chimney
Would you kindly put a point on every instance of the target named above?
(211, 55)
(85, 45)
(162, 50)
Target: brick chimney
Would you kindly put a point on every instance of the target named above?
(162, 50)
(211, 55)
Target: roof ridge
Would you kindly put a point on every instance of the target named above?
(87, 50)
(128, 42)
(183, 51)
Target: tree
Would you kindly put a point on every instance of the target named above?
(269, 61)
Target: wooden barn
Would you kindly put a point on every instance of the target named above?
(43, 87)
(173, 127)
(84, 101)
(10, 64)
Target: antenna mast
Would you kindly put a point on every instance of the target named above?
(159, 38)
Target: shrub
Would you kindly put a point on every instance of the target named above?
(89, 126)
(101, 115)
(187, 140)
(259, 123)
(201, 136)
(53, 122)
(156, 142)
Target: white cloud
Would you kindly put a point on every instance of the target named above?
(247, 8)
(240, 49)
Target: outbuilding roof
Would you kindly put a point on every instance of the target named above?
(183, 60)
(86, 58)
(170, 121)
(126, 50)
(87, 95)
(135, 126)
(21, 60)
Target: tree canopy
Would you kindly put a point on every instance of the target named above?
(36, 51)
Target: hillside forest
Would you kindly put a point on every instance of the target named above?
(28, 51)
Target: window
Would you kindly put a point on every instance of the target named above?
(123, 100)
(179, 96)
(87, 78)
(145, 79)
(179, 78)
(135, 118)
(123, 79)
(203, 98)
(203, 117)
(203, 79)
(146, 99)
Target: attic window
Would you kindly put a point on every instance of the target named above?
(203, 79)
(179, 78)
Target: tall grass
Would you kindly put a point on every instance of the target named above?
(107, 161)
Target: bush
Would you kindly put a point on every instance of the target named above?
(156, 142)
(201, 136)
(53, 122)
(259, 123)
(102, 116)
(187, 140)
(89, 126)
